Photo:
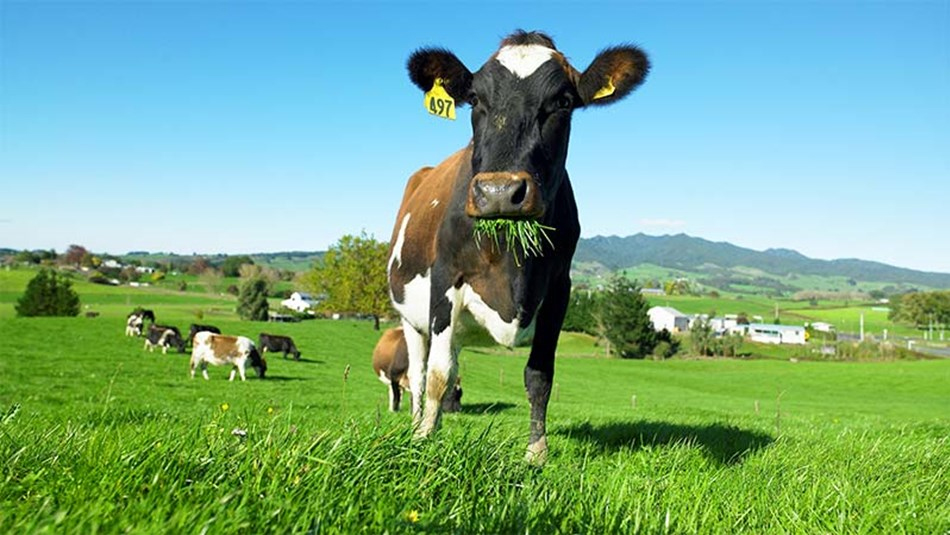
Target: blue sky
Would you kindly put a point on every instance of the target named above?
(268, 126)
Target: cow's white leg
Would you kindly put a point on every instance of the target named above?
(204, 371)
(416, 347)
(441, 364)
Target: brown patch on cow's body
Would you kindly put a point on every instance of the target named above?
(426, 198)
(223, 345)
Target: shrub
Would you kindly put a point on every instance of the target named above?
(252, 300)
(48, 294)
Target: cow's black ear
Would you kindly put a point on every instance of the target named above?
(613, 74)
(427, 64)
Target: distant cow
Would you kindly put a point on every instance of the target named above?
(219, 350)
(135, 321)
(179, 340)
(163, 337)
(523, 99)
(391, 364)
(195, 329)
(133, 325)
(278, 344)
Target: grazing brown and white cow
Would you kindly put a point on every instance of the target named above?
(219, 349)
(522, 102)
(164, 337)
(391, 362)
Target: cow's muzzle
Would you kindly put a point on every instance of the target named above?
(507, 195)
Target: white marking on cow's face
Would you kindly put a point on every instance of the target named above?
(396, 257)
(415, 306)
(504, 332)
(523, 60)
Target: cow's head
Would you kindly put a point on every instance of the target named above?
(258, 362)
(522, 100)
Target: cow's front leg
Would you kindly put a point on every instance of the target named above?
(441, 364)
(416, 347)
(539, 373)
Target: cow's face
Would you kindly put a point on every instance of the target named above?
(258, 363)
(522, 101)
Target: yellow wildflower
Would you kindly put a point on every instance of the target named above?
(225, 406)
(413, 516)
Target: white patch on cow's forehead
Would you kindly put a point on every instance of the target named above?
(523, 60)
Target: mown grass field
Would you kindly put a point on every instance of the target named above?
(97, 435)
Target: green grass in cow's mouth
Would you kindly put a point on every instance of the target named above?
(527, 233)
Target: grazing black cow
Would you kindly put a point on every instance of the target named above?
(276, 343)
(164, 337)
(196, 328)
(522, 102)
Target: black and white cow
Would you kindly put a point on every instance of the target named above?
(178, 339)
(276, 343)
(522, 100)
(133, 325)
(164, 337)
(195, 328)
(391, 364)
(220, 350)
(135, 321)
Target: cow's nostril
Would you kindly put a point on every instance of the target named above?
(519, 195)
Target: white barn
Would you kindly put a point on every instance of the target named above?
(668, 318)
(769, 333)
(299, 301)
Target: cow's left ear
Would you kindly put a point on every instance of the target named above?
(427, 64)
(614, 73)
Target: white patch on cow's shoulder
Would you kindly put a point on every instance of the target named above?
(435, 202)
(415, 305)
(523, 60)
(504, 332)
(396, 257)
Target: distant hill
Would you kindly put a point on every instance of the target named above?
(696, 254)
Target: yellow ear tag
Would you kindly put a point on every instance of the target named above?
(605, 91)
(438, 101)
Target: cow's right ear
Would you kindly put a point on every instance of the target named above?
(427, 64)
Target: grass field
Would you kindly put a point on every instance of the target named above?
(97, 435)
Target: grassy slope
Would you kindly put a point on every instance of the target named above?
(111, 438)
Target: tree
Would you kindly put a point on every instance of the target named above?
(74, 255)
(352, 276)
(582, 310)
(252, 299)
(701, 337)
(626, 324)
(232, 265)
(48, 294)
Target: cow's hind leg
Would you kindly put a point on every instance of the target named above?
(395, 396)
(416, 347)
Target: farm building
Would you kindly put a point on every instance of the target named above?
(768, 333)
(668, 318)
(822, 326)
(299, 301)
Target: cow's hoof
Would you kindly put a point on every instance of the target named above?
(537, 453)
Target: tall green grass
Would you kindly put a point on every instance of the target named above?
(97, 435)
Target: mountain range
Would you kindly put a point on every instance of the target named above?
(688, 253)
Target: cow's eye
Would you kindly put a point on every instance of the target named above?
(473, 100)
(565, 102)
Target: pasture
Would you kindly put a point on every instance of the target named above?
(97, 435)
